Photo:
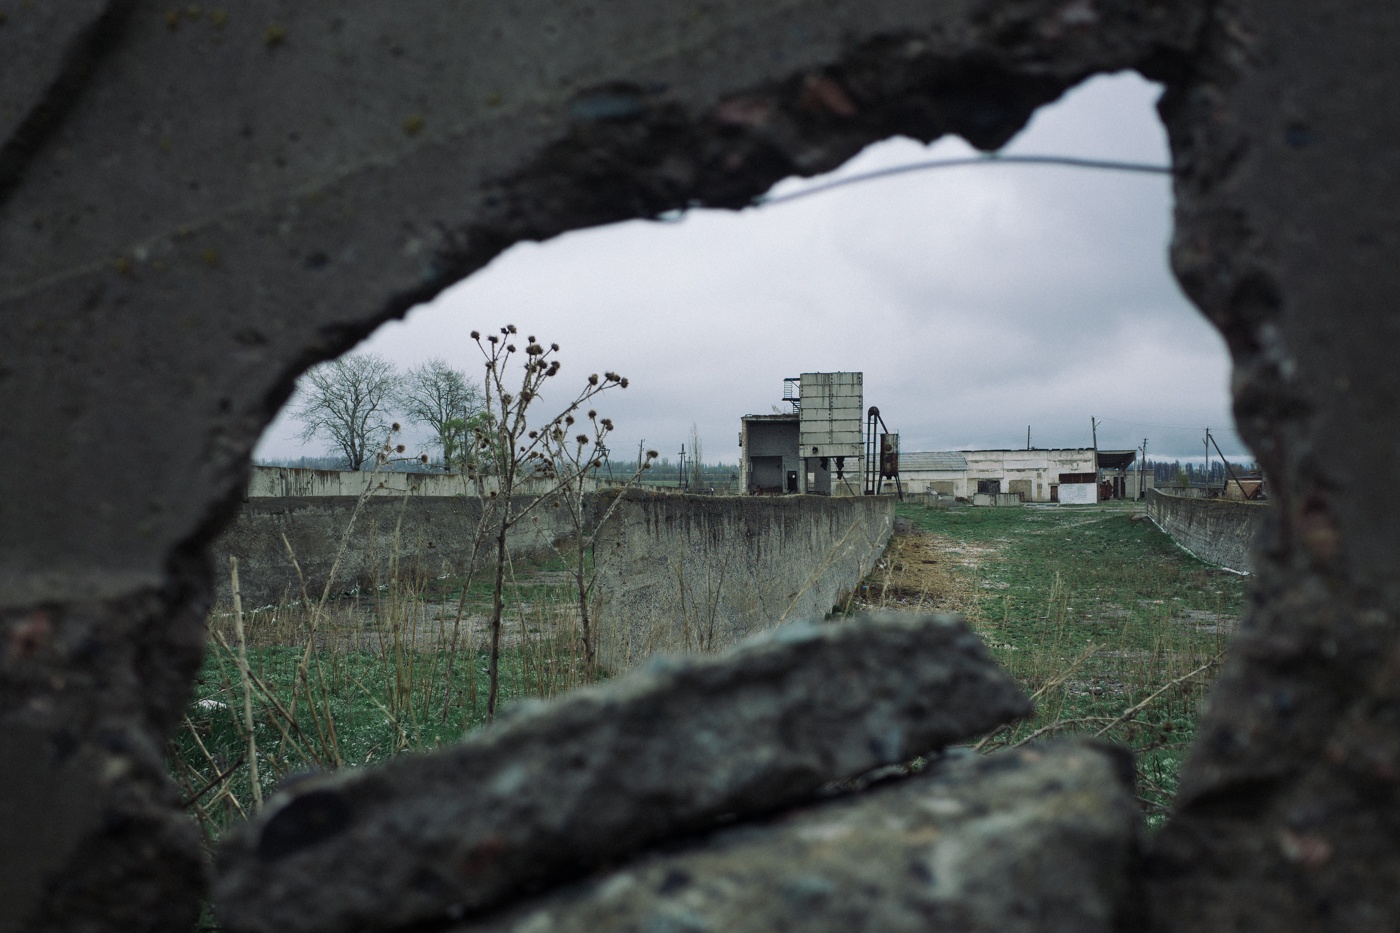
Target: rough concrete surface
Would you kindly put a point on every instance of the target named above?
(567, 786)
(417, 537)
(1028, 841)
(1223, 532)
(198, 204)
(700, 573)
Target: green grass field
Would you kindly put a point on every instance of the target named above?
(1114, 629)
(360, 680)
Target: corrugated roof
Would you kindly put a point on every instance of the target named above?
(931, 460)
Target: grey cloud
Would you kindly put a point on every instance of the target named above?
(975, 300)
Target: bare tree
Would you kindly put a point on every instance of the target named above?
(345, 402)
(444, 400)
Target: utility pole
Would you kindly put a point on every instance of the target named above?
(1228, 469)
(680, 470)
(1207, 461)
(1142, 464)
(641, 444)
(602, 453)
(1028, 437)
(1094, 430)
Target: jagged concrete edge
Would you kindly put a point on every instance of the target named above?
(247, 885)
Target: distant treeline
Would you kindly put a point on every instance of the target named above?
(413, 465)
(1173, 472)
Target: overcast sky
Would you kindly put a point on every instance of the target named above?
(977, 301)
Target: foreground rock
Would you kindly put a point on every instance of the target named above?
(560, 789)
(1042, 840)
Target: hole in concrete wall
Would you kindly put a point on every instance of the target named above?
(977, 301)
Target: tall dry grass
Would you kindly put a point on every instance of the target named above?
(1114, 631)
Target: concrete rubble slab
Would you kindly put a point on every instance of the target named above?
(559, 789)
(1037, 839)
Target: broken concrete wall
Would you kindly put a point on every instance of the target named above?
(1218, 531)
(196, 205)
(368, 543)
(700, 573)
(557, 789)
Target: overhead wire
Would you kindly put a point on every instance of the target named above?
(1111, 165)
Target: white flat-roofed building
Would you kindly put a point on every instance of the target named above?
(1038, 475)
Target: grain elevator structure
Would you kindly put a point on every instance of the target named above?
(817, 447)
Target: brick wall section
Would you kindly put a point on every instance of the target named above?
(1219, 531)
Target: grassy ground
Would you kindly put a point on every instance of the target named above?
(1115, 630)
(360, 680)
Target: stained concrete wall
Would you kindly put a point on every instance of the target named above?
(699, 573)
(197, 206)
(1218, 531)
(291, 482)
(413, 536)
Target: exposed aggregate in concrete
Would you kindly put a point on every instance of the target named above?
(1037, 840)
(561, 788)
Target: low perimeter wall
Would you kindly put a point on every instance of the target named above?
(295, 482)
(699, 573)
(1219, 531)
(675, 573)
(420, 535)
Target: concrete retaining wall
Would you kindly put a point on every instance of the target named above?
(295, 482)
(1219, 531)
(427, 536)
(696, 573)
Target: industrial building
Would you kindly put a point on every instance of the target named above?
(820, 447)
(1074, 475)
(816, 448)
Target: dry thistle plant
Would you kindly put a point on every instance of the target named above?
(515, 452)
(569, 460)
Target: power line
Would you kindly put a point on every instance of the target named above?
(1192, 428)
(988, 159)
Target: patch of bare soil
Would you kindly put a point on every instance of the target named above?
(924, 572)
(1211, 623)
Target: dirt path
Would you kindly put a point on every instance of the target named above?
(926, 572)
